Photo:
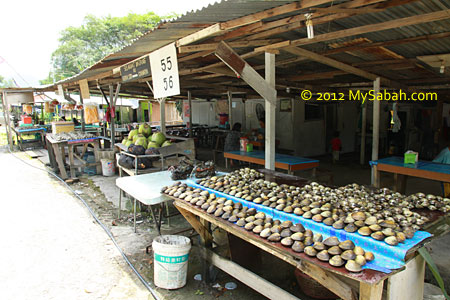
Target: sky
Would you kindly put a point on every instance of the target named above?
(29, 30)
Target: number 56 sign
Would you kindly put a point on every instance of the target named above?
(164, 66)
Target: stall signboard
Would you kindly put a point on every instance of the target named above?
(164, 66)
(136, 69)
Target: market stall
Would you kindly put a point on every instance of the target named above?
(37, 131)
(316, 234)
(57, 144)
(401, 170)
(282, 161)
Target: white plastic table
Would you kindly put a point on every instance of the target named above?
(145, 189)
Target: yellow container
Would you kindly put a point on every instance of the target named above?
(62, 126)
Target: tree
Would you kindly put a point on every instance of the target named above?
(6, 83)
(81, 47)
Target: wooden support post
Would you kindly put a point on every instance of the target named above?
(162, 111)
(245, 71)
(83, 124)
(270, 113)
(7, 119)
(369, 291)
(111, 124)
(190, 113)
(399, 286)
(376, 124)
(230, 108)
(362, 157)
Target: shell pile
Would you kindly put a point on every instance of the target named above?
(382, 214)
(295, 236)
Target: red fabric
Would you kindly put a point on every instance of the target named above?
(336, 144)
(110, 113)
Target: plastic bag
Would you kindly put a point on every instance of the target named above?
(91, 114)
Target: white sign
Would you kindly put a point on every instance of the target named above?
(164, 66)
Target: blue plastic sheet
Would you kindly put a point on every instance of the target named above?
(387, 257)
(31, 129)
(420, 165)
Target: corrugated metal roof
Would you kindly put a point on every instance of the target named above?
(170, 31)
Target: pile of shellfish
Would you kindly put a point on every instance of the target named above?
(381, 214)
(295, 236)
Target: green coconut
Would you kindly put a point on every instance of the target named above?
(137, 136)
(128, 143)
(141, 141)
(152, 145)
(145, 129)
(166, 143)
(158, 138)
(124, 141)
(132, 134)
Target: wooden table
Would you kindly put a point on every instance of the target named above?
(422, 169)
(57, 155)
(282, 161)
(26, 131)
(400, 284)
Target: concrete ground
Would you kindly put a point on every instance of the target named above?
(51, 246)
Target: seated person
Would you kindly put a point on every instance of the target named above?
(75, 122)
(232, 140)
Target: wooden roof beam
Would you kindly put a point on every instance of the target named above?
(213, 46)
(276, 11)
(342, 66)
(408, 21)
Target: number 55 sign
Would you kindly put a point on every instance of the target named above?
(164, 66)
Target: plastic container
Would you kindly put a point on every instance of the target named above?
(108, 168)
(223, 118)
(62, 126)
(171, 254)
(243, 144)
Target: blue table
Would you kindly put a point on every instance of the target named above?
(19, 131)
(282, 161)
(422, 169)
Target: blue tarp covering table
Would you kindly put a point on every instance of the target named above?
(282, 161)
(387, 257)
(422, 169)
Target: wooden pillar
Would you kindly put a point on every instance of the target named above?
(112, 100)
(230, 108)
(7, 119)
(376, 123)
(190, 113)
(162, 111)
(363, 134)
(83, 124)
(270, 113)
(111, 124)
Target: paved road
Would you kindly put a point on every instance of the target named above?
(51, 248)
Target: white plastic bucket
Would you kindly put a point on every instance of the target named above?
(170, 257)
(108, 168)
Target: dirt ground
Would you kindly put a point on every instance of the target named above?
(57, 250)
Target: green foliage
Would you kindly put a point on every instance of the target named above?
(6, 83)
(81, 47)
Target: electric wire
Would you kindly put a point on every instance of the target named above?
(108, 232)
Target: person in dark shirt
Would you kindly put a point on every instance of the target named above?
(232, 140)
(75, 122)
